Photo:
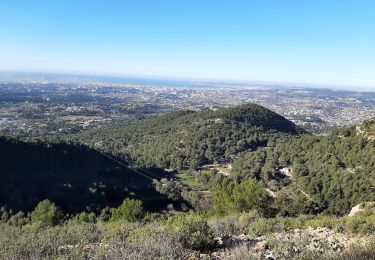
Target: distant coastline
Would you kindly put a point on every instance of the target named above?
(167, 82)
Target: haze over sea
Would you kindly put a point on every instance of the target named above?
(165, 82)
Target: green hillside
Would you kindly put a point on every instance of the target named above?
(186, 139)
(327, 173)
(281, 183)
(336, 172)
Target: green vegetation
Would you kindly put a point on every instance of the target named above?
(64, 199)
(329, 173)
(46, 214)
(241, 197)
(187, 139)
(171, 237)
(129, 210)
(194, 231)
(335, 172)
(188, 180)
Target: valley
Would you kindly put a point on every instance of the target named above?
(193, 171)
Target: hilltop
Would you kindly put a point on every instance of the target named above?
(186, 139)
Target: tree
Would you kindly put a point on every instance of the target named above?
(241, 197)
(129, 210)
(222, 201)
(46, 214)
(249, 195)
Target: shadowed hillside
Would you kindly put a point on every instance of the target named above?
(73, 176)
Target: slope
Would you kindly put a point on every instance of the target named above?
(73, 176)
(337, 171)
(186, 139)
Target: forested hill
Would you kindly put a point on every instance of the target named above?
(327, 173)
(186, 139)
(73, 176)
(335, 171)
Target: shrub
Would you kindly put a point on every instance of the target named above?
(4, 214)
(85, 217)
(265, 226)
(233, 224)
(357, 225)
(227, 225)
(129, 210)
(46, 214)
(105, 214)
(194, 232)
(31, 242)
(340, 228)
(18, 219)
(151, 241)
(153, 217)
(322, 221)
(118, 231)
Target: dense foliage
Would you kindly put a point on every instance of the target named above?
(278, 172)
(186, 139)
(241, 197)
(129, 210)
(46, 214)
(336, 171)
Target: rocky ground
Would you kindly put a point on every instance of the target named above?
(279, 243)
(284, 245)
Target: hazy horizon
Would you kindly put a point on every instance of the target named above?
(319, 43)
(124, 79)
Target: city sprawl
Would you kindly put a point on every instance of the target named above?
(33, 108)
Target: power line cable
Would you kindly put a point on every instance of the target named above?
(146, 171)
(149, 172)
(117, 161)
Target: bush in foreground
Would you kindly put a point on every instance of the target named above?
(194, 232)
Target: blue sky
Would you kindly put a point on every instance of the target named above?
(320, 41)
